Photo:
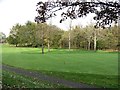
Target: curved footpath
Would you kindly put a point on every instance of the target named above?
(47, 78)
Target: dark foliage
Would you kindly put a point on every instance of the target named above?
(106, 12)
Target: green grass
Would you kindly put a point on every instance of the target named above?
(86, 63)
(104, 81)
(12, 80)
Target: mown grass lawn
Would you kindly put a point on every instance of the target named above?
(96, 68)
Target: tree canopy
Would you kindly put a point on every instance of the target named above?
(30, 35)
(106, 12)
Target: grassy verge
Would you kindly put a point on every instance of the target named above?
(12, 80)
(102, 81)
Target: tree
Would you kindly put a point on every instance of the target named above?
(89, 35)
(41, 19)
(107, 13)
(55, 36)
(27, 34)
(70, 35)
(40, 34)
(76, 36)
(30, 33)
(14, 37)
(21, 33)
(109, 38)
(64, 40)
(2, 37)
(48, 30)
(48, 39)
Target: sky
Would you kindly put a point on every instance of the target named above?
(20, 11)
(16, 11)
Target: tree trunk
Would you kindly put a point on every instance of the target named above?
(69, 42)
(88, 44)
(16, 45)
(48, 45)
(42, 41)
(95, 40)
(75, 45)
(49, 35)
(69, 35)
(61, 44)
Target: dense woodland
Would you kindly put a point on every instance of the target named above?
(88, 38)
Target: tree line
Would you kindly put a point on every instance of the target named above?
(88, 38)
(107, 14)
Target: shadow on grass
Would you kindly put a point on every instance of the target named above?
(58, 51)
(102, 81)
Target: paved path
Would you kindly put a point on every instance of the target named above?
(47, 78)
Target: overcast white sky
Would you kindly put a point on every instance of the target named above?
(20, 11)
(16, 11)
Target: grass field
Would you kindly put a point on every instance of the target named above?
(96, 68)
(12, 80)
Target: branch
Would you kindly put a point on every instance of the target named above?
(107, 14)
